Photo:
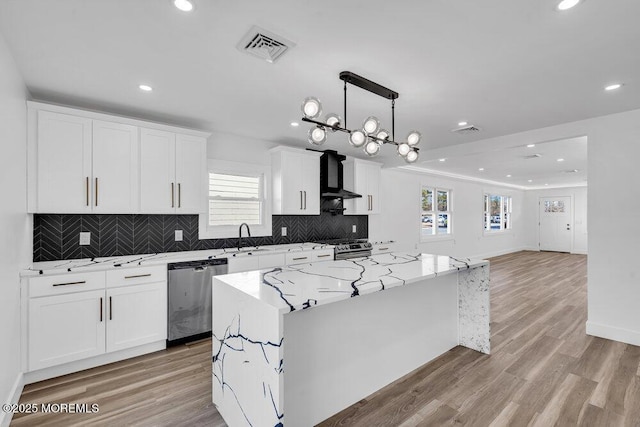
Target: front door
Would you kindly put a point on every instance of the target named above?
(556, 224)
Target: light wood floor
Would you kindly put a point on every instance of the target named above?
(543, 371)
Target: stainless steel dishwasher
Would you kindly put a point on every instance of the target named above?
(189, 293)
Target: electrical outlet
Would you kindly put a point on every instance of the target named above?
(178, 235)
(85, 238)
(353, 228)
(283, 231)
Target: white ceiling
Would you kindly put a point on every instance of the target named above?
(504, 66)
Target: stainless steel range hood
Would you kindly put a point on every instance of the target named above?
(331, 177)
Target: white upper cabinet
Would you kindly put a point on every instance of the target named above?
(172, 172)
(191, 174)
(157, 171)
(296, 181)
(63, 163)
(115, 167)
(83, 162)
(362, 177)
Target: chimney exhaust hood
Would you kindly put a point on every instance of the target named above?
(331, 177)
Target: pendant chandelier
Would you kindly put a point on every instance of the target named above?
(371, 137)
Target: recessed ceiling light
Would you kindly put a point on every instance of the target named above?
(508, 176)
(613, 86)
(442, 160)
(183, 5)
(531, 145)
(462, 123)
(546, 184)
(561, 160)
(480, 169)
(529, 180)
(295, 124)
(145, 88)
(567, 4)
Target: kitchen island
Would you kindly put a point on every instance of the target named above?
(294, 345)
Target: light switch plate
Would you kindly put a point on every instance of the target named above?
(283, 231)
(178, 235)
(353, 228)
(85, 238)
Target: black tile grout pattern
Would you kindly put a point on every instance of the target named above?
(57, 236)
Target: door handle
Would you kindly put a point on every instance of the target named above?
(568, 227)
(101, 309)
(179, 195)
(110, 309)
(87, 185)
(173, 203)
(96, 191)
(300, 200)
(305, 200)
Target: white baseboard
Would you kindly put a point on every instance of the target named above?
(14, 397)
(580, 252)
(613, 333)
(92, 362)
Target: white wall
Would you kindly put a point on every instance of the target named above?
(579, 211)
(399, 219)
(614, 223)
(15, 224)
(226, 146)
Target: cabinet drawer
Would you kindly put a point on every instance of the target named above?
(297, 258)
(66, 283)
(322, 255)
(135, 276)
(271, 260)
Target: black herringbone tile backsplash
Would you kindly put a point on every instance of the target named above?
(57, 237)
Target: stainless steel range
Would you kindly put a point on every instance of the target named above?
(349, 248)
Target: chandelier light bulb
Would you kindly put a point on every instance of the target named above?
(411, 157)
(383, 134)
(371, 125)
(333, 119)
(357, 138)
(403, 149)
(372, 148)
(317, 135)
(311, 107)
(413, 138)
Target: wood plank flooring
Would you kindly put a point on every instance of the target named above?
(543, 371)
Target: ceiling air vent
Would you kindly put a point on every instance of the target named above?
(533, 156)
(465, 130)
(264, 44)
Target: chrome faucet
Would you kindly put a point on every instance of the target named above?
(240, 234)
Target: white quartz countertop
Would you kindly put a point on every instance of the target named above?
(107, 263)
(303, 286)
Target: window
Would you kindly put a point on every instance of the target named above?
(497, 212)
(234, 199)
(436, 212)
(237, 193)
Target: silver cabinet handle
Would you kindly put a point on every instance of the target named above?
(70, 283)
(179, 195)
(305, 200)
(300, 200)
(101, 309)
(371, 202)
(299, 258)
(383, 249)
(110, 309)
(87, 185)
(324, 256)
(96, 191)
(137, 275)
(173, 203)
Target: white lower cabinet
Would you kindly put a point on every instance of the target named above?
(77, 316)
(136, 315)
(65, 328)
(245, 262)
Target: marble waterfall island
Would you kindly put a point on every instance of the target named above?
(294, 345)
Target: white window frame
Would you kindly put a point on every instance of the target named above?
(435, 212)
(486, 212)
(206, 231)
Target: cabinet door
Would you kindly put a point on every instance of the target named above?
(65, 328)
(115, 168)
(292, 184)
(244, 263)
(136, 315)
(373, 188)
(311, 179)
(157, 171)
(191, 174)
(64, 163)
